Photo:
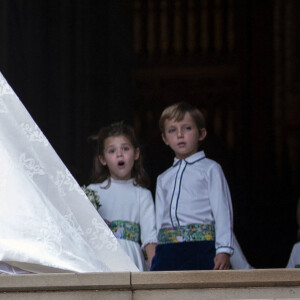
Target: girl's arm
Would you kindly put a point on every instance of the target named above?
(150, 250)
(147, 223)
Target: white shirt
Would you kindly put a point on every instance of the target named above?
(294, 260)
(238, 259)
(195, 191)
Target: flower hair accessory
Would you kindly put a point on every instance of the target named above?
(92, 196)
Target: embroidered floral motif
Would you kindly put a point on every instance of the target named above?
(4, 87)
(125, 230)
(3, 108)
(99, 231)
(46, 234)
(34, 134)
(188, 233)
(30, 166)
(6, 167)
(65, 180)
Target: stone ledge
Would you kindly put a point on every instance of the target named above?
(284, 283)
(67, 281)
(217, 279)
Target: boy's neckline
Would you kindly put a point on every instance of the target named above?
(191, 159)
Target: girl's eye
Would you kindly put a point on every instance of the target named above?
(126, 148)
(111, 151)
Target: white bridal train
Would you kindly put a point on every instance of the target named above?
(47, 224)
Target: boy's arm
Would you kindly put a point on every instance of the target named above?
(220, 200)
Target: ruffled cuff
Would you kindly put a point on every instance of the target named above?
(153, 241)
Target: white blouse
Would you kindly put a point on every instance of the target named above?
(123, 200)
(195, 191)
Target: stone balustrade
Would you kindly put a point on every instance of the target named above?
(232, 284)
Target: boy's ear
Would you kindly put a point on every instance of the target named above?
(202, 135)
(102, 160)
(164, 139)
(137, 153)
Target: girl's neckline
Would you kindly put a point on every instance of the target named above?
(121, 181)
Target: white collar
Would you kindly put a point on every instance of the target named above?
(191, 159)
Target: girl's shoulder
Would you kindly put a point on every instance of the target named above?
(136, 186)
(97, 186)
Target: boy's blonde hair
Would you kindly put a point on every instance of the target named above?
(177, 112)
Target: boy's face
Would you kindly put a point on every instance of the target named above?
(183, 137)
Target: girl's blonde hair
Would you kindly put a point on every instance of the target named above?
(177, 112)
(100, 173)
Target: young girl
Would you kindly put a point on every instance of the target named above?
(120, 181)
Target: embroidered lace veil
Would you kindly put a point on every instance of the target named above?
(47, 224)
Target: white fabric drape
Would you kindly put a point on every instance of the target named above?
(47, 224)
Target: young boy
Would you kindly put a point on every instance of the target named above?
(193, 203)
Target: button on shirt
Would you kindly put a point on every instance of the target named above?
(195, 191)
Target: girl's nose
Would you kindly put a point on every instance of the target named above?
(119, 152)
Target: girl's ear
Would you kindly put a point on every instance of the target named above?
(102, 160)
(202, 134)
(164, 139)
(137, 153)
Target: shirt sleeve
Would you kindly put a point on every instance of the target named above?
(220, 200)
(147, 218)
(159, 204)
(294, 257)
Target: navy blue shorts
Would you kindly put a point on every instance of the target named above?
(184, 256)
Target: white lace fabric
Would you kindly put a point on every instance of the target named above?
(47, 224)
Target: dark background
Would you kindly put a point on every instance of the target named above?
(80, 64)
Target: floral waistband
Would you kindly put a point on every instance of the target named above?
(125, 230)
(187, 233)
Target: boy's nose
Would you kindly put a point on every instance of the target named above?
(179, 133)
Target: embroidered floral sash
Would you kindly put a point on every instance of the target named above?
(187, 233)
(125, 230)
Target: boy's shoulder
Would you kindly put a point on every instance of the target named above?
(161, 175)
(208, 163)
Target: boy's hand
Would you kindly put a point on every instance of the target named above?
(222, 261)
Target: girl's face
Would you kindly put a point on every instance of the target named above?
(119, 156)
(183, 136)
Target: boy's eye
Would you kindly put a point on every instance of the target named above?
(126, 148)
(171, 130)
(111, 151)
(188, 128)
